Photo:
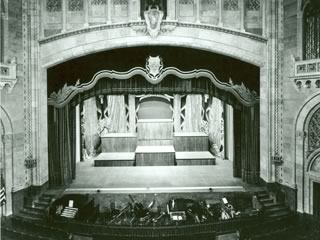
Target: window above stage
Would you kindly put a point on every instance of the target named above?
(311, 30)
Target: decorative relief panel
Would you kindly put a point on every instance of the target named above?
(253, 5)
(186, 8)
(316, 165)
(231, 5)
(75, 5)
(314, 131)
(186, 2)
(54, 5)
(211, 3)
(98, 2)
(120, 2)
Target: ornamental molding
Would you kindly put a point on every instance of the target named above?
(154, 73)
(307, 74)
(141, 27)
(8, 75)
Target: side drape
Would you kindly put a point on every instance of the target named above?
(247, 147)
(61, 147)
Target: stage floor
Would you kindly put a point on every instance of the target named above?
(165, 179)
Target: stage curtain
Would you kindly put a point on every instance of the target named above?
(117, 114)
(247, 148)
(214, 117)
(61, 145)
(90, 128)
(193, 116)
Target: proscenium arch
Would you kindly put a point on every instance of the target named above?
(235, 46)
(309, 107)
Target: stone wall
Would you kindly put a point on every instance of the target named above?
(13, 102)
(298, 104)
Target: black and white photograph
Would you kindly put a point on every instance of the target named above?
(160, 119)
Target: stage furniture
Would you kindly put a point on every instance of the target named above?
(190, 141)
(119, 142)
(155, 132)
(85, 205)
(114, 159)
(195, 158)
(155, 156)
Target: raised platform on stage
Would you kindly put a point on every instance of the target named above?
(191, 141)
(119, 142)
(155, 156)
(195, 158)
(115, 159)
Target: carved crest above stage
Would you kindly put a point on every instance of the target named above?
(154, 73)
(154, 19)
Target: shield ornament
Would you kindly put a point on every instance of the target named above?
(154, 66)
(153, 19)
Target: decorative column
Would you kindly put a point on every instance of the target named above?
(177, 112)
(263, 13)
(64, 15)
(171, 9)
(109, 11)
(198, 11)
(132, 113)
(86, 13)
(242, 15)
(220, 23)
(78, 134)
(229, 133)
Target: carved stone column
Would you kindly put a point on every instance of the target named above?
(198, 11)
(171, 9)
(86, 13)
(109, 11)
(220, 23)
(64, 15)
(242, 14)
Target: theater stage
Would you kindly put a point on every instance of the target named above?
(157, 179)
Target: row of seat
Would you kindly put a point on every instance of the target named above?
(40, 230)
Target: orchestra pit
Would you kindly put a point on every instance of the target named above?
(160, 119)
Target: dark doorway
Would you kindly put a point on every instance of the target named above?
(316, 199)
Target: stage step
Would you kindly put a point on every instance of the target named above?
(114, 159)
(195, 158)
(155, 155)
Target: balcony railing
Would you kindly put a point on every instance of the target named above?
(307, 74)
(8, 75)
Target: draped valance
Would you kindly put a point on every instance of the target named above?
(155, 80)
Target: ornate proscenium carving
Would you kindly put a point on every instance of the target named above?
(8, 75)
(153, 73)
(154, 66)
